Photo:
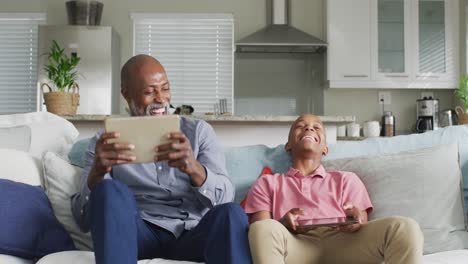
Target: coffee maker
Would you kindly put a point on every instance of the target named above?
(427, 114)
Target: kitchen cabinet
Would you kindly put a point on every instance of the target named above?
(390, 26)
(350, 40)
(412, 44)
(436, 48)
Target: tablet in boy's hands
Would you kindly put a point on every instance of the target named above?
(305, 224)
(145, 132)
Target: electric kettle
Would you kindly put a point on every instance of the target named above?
(448, 117)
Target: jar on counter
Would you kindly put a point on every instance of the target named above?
(388, 124)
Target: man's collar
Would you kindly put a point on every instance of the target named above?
(320, 171)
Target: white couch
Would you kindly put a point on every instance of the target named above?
(48, 139)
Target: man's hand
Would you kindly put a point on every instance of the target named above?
(289, 220)
(360, 216)
(181, 156)
(107, 155)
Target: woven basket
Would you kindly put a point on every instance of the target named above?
(61, 103)
(462, 116)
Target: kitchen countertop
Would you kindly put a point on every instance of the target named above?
(328, 120)
(350, 138)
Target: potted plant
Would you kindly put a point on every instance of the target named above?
(462, 94)
(62, 97)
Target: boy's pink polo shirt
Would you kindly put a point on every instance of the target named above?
(321, 195)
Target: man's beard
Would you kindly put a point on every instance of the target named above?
(149, 110)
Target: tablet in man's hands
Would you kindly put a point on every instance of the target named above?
(145, 132)
(305, 224)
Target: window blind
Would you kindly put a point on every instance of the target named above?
(18, 61)
(197, 52)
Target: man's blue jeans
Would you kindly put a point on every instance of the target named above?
(121, 236)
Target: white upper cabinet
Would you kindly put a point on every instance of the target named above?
(390, 33)
(413, 44)
(350, 40)
(436, 50)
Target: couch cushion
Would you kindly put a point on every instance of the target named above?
(448, 257)
(243, 163)
(19, 166)
(28, 227)
(424, 185)
(48, 132)
(266, 171)
(87, 257)
(6, 259)
(62, 180)
(17, 137)
(373, 146)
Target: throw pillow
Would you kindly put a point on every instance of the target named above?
(424, 185)
(244, 163)
(265, 171)
(62, 180)
(77, 153)
(28, 227)
(20, 166)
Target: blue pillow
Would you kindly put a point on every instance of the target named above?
(77, 154)
(244, 164)
(28, 226)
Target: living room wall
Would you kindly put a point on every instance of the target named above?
(251, 15)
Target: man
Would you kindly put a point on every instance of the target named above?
(177, 207)
(308, 191)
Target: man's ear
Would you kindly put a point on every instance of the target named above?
(325, 151)
(287, 147)
(124, 92)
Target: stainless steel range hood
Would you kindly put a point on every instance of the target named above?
(280, 37)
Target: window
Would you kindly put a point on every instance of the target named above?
(18, 61)
(197, 52)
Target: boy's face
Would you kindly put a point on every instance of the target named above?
(307, 134)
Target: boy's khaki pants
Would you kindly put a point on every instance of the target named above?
(392, 239)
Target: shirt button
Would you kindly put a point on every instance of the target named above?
(87, 198)
(159, 167)
(81, 211)
(204, 191)
(214, 203)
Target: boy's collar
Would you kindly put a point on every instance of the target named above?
(320, 171)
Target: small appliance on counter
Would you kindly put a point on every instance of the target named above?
(448, 117)
(427, 114)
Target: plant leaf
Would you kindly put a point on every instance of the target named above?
(60, 69)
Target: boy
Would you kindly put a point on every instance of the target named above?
(307, 190)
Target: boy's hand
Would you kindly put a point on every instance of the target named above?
(289, 220)
(357, 214)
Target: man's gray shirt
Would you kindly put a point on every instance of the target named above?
(164, 195)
